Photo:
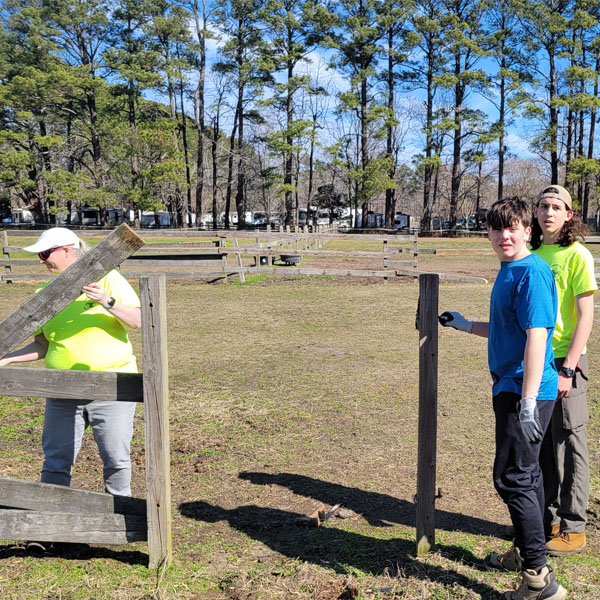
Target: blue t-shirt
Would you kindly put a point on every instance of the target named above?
(523, 297)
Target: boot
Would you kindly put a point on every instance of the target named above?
(565, 544)
(536, 585)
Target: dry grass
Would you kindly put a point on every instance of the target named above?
(286, 394)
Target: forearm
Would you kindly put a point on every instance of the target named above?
(481, 328)
(35, 350)
(130, 316)
(533, 360)
(582, 331)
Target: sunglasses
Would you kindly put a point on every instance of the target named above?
(45, 254)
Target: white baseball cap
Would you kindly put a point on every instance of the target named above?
(53, 238)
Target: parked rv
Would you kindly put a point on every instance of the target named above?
(20, 216)
(151, 219)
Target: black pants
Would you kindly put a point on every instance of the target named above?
(518, 477)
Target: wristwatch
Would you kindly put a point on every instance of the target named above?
(568, 372)
(110, 303)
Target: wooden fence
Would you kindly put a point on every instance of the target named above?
(234, 254)
(54, 513)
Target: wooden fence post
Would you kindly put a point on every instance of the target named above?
(427, 316)
(6, 255)
(239, 260)
(156, 413)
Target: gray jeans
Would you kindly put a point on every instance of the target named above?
(112, 425)
(564, 458)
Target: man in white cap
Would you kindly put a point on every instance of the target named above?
(89, 334)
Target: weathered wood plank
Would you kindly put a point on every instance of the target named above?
(88, 528)
(62, 290)
(400, 263)
(72, 385)
(170, 275)
(157, 261)
(156, 412)
(34, 495)
(20, 262)
(26, 277)
(427, 442)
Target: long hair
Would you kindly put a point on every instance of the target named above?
(573, 230)
(508, 211)
(83, 248)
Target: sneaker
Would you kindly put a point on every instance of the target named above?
(509, 561)
(538, 586)
(565, 544)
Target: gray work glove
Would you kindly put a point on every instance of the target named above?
(456, 320)
(530, 419)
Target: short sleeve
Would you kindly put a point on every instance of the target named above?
(536, 302)
(119, 288)
(584, 278)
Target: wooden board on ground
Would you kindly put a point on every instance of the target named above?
(87, 528)
(60, 292)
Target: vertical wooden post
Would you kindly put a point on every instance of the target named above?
(156, 416)
(239, 260)
(222, 244)
(385, 266)
(415, 255)
(428, 371)
(6, 256)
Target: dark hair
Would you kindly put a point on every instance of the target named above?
(571, 231)
(508, 211)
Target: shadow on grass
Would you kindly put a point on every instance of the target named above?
(76, 552)
(378, 509)
(342, 551)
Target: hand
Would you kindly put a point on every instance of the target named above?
(564, 385)
(95, 292)
(530, 419)
(4, 362)
(456, 320)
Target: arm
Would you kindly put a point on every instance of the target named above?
(130, 316)
(584, 305)
(458, 322)
(533, 369)
(481, 328)
(32, 351)
(533, 360)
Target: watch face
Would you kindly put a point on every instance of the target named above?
(568, 372)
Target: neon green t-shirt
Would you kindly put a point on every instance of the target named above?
(86, 337)
(573, 268)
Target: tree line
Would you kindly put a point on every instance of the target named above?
(220, 106)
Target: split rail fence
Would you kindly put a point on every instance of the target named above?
(52, 513)
(240, 253)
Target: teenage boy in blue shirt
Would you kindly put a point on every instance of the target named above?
(523, 307)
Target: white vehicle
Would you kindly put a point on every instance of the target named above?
(323, 216)
(22, 216)
(401, 221)
(149, 219)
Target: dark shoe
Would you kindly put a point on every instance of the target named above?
(565, 544)
(536, 585)
(509, 561)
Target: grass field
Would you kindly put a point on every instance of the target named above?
(289, 393)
